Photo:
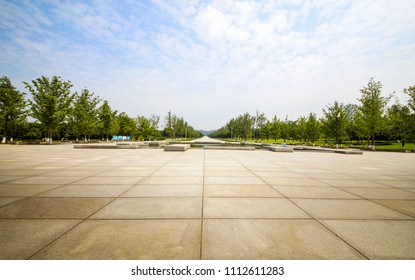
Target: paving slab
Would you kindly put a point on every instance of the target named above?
(8, 200)
(404, 206)
(240, 191)
(384, 240)
(314, 192)
(105, 180)
(177, 180)
(47, 208)
(164, 191)
(294, 182)
(128, 240)
(87, 191)
(24, 189)
(381, 193)
(225, 239)
(346, 209)
(20, 239)
(234, 180)
(251, 208)
(151, 208)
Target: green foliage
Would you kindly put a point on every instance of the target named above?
(107, 123)
(85, 114)
(51, 101)
(126, 125)
(399, 123)
(12, 108)
(372, 107)
(410, 91)
(312, 128)
(335, 122)
(275, 128)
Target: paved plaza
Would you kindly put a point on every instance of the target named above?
(57, 202)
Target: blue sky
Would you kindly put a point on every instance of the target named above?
(209, 61)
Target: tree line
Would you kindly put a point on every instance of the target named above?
(59, 113)
(370, 119)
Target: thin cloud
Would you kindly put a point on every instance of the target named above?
(211, 60)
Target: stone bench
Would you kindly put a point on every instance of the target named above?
(95, 146)
(177, 147)
(349, 152)
(280, 149)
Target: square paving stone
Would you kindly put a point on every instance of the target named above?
(128, 240)
(381, 193)
(178, 173)
(314, 192)
(65, 208)
(272, 239)
(20, 239)
(151, 208)
(24, 190)
(87, 191)
(404, 206)
(71, 173)
(346, 209)
(240, 191)
(251, 208)
(126, 173)
(228, 173)
(399, 184)
(123, 180)
(377, 239)
(164, 191)
(275, 174)
(172, 180)
(233, 181)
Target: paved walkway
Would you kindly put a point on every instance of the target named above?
(63, 203)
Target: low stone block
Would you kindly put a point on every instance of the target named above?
(281, 149)
(95, 146)
(349, 152)
(243, 148)
(177, 147)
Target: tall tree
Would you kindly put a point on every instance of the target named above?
(410, 91)
(372, 107)
(335, 122)
(398, 120)
(107, 119)
(51, 102)
(154, 123)
(275, 128)
(126, 125)
(12, 108)
(302, 129)
(144, 129)
(312, 128)
(85, 113)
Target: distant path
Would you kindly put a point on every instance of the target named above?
(207, 140)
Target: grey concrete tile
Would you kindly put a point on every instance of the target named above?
(346, 209)
(45, 208)
(272, 240)
(24, 190)
(87, 191)
(20, 239)
(233, 181)
(251, 208)
(381, 193)
(404, 206)
(164, 191)
(314, 192)
(240, 191)
(129, 240)
(104, 180)
(377, 239)
(151, 208)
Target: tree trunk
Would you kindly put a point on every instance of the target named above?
(403, 146)
(373, 139)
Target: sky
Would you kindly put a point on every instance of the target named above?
(210, 61)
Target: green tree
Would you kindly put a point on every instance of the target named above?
(85, 114)
(51, 101)
(144, 129)
(398, 120)
(372, 107)
(302, 129)
(275, 128)
(12, 108)
(312, 128)
(335, 122)
(126, 125)
(154, 123)
(410, 91)
(107, 120)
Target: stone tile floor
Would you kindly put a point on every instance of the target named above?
(57, 202)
